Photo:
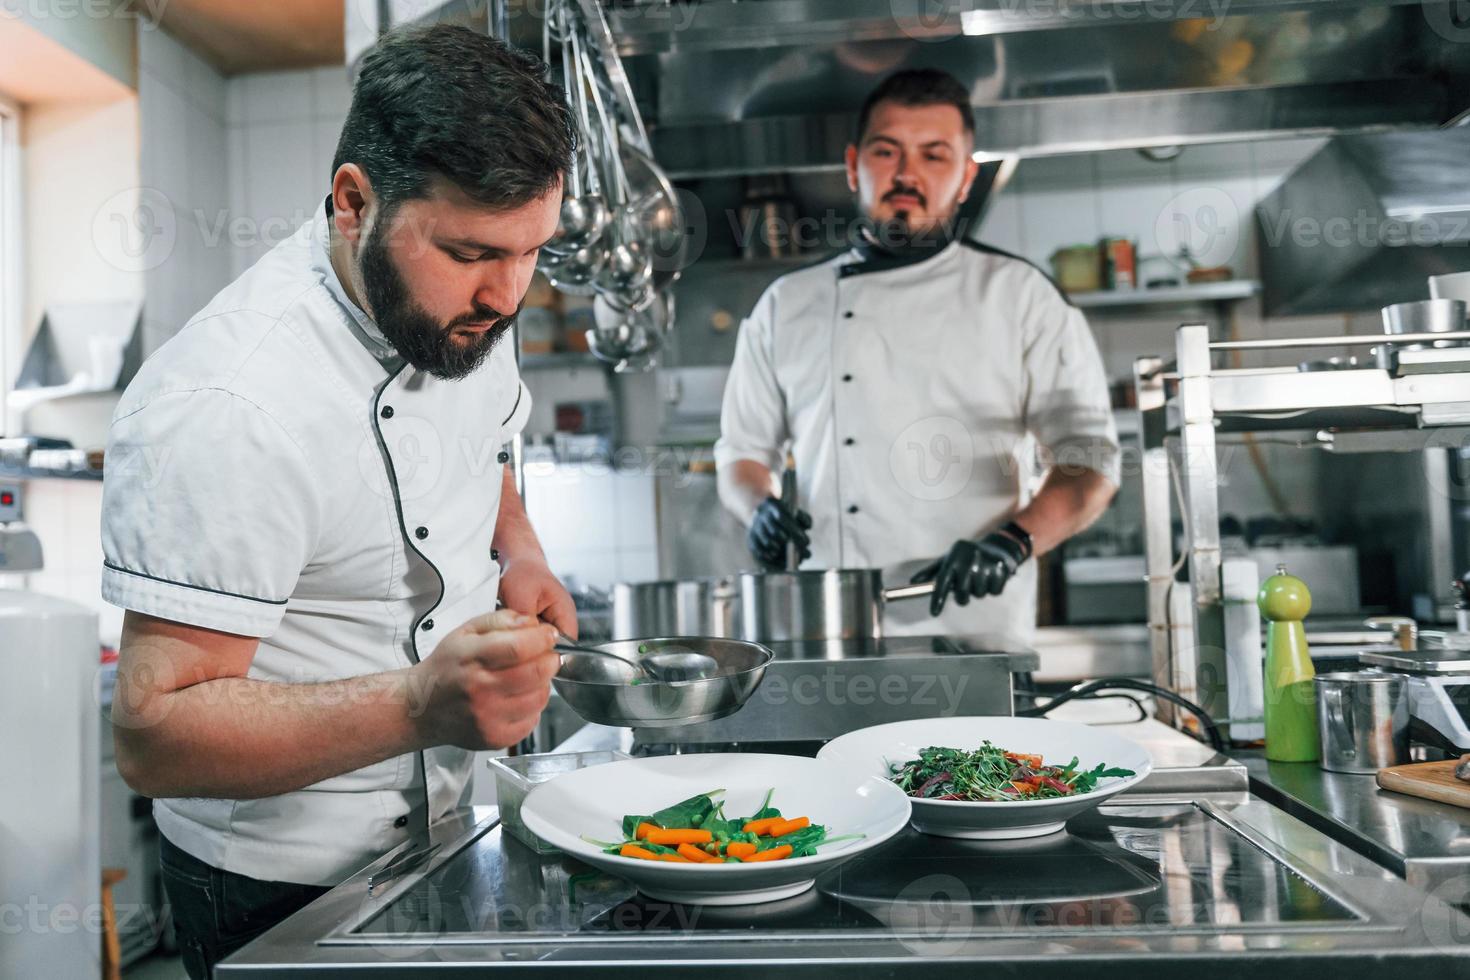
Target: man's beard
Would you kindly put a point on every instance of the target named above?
(420, 339)
(901, 231)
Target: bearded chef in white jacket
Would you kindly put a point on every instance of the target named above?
(942, 399)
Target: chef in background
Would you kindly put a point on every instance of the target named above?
(943, 401)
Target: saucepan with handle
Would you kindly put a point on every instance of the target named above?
(824, 604)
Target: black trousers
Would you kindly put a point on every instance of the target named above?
(216, 912)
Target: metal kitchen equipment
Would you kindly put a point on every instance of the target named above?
(1362, 720)
(1190, 873)
(517, 775)
(1425, 316)
(1188, 406)
(622, 235)
(1437, 676)
(824, 604)
(815, 690)
(667, 666)
(675, 607)
(601, 692)
(50, 852)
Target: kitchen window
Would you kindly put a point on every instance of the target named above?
(10, 285)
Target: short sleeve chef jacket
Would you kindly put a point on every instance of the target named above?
(921, 400)
(275, 471)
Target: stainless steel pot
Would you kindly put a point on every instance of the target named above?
(830, 604)
(1425, 316)
(673, 607)
(1363, 720)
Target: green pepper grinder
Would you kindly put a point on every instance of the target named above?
(1291, 703)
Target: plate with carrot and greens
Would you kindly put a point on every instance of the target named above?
(774, 824)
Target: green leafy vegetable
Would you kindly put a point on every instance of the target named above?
(991, 774)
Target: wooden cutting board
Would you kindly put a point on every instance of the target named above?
(1431, 780)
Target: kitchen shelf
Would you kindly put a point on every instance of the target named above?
(560, 361)
(38, 473)
(1205, 292)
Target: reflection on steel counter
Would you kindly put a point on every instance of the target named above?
(1221, 885)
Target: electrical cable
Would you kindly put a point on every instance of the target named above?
(1033, 696)
(1212, 732)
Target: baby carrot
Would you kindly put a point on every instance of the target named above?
(695, 854)
(634, 851)
(774, 854)
(643, 829)
(673, 838)
(787, 826)
(673, 857)
(761, 826)
(740, 849)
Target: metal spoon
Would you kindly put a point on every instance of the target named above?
(661, 668)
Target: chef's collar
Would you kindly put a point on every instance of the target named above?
(361, 325)
(875, 257)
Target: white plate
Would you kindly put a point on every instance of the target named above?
(868, 751)
(592, 802)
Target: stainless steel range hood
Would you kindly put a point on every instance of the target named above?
(773, 85)
(1365, 221)
(735, 87)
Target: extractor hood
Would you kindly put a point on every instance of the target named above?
(1364, 221)
(747, 86)
(740, 87)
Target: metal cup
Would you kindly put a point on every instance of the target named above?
(1363, 719)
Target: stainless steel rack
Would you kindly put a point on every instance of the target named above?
(1412, 400)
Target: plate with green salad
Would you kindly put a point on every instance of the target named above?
(994, 778)
(716, 828)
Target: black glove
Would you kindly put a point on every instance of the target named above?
(977, 568)
(772, 528)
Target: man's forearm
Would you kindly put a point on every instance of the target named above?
(743, 485)
(1066, 504)
(240, 738)
(514, 536)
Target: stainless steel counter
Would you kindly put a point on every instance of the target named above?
(1191, 873)
(1428, 843)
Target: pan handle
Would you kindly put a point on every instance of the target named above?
(908, 591)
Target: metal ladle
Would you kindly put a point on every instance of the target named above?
(661, 668)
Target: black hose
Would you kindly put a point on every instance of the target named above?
(1217, 742)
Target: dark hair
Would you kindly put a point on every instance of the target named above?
(446, 102)
(916, 87)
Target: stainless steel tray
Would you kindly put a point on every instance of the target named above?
(1219, 884)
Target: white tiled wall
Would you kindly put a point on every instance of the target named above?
(1206, 196)
(596, 526)
(282, 135)
(182, 119)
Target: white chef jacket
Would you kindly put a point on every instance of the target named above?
(922, 398)
(275, 470)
